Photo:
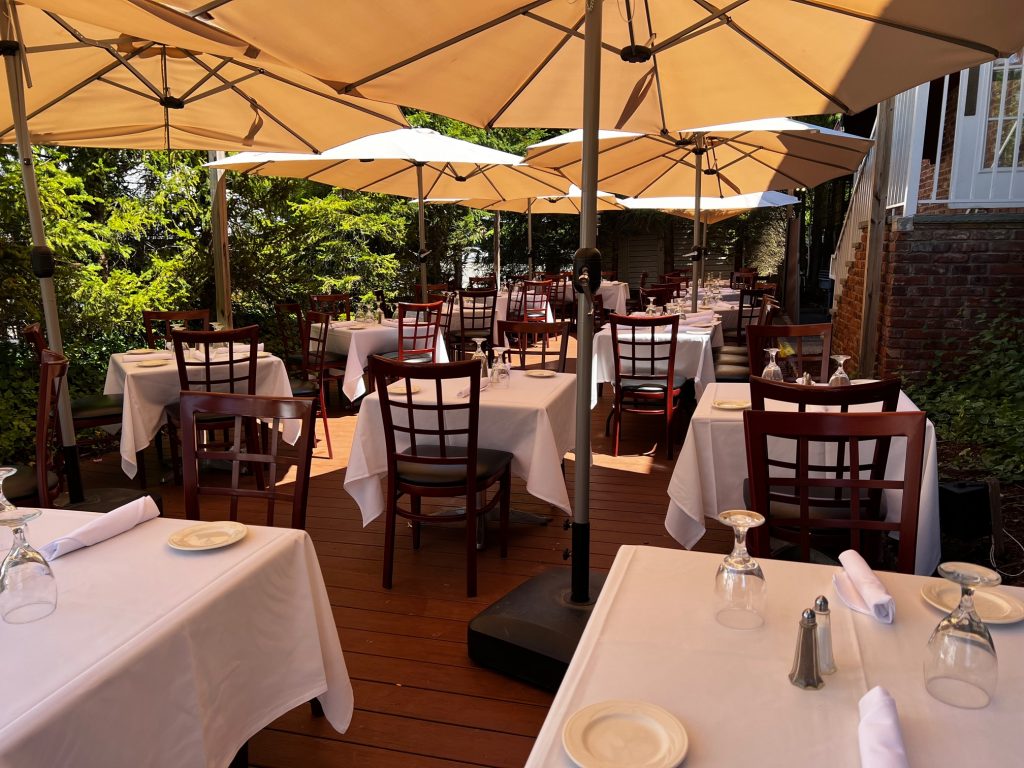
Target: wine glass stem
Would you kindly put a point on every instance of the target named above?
(739, 547)
(966, 600)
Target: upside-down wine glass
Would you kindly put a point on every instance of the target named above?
(840, 378)
(481, 357)
(772, 372)
(960, 666)
(740, 587)
(650, 306)
(28, 590)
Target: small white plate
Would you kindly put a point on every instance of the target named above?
(261, 353)
(208, 535)
(625, 734)
(731, 405)
(353, 327)
(398, 388)
(711, 324)
(540, 374)
(152, 363)
(992, 605)
(141, 351)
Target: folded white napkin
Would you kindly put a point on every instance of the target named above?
(881, 742)
(464, 392)
(240, 350)
(861, 591)
(114, 523)
(156, 354)
(697, 317)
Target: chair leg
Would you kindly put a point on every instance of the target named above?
(172, 440)
(327, 425)
(140, 463)
(389, 540)
(616, 415)
(471, 523)
(505, 507)
(416, 506)
(241, 758)
(316, 709)
(670, 433)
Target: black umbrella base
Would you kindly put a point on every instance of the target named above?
(532, 632)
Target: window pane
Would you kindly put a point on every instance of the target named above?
(996, 94)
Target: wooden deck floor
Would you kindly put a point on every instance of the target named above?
(420, 701)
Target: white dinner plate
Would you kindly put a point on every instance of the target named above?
(710, 324)
(540, 374)
(141, 351)
(731, 405)
(398, 388)
(152, 363)
(208, 535)
(353, 327)
(992, 605)
(261, 353)
(624, 734)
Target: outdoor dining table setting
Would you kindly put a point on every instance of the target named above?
(500, 313)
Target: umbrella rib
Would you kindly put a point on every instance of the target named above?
(533, 75)
(702, 26)
(958, 41)
(75, 46)
(387, 176)
(129, 89)
(573, 31)
(483, 172)
(350, 87)
(793, 155)
(856, 154)
(522, 171)
(186, 96)
(657, 72)
(752, 155)
(657, 178)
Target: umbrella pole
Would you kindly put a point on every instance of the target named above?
(42, 256)
(423, 233)
(219, 240)
(698, 265)
(497, 249)
(529, 237)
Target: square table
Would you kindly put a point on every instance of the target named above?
(653, 637)
(534, 420)
(148, 392)
(157, 657)
(614, 294)
(708, 477)
(357, 341)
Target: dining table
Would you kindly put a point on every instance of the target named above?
(162, 657)
(653, 638)
(500, 313)
(534, 419)
(614, 294)
(709, 475)
(149, 381)
(357, 341)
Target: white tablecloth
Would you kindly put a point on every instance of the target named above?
(615, 295)
(693, 360)
(535, 420)
(156, 657)
(358, 343)
(500, 313)
(653, 637)
(148, 391)
(708, 477)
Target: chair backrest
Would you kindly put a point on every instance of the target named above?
(290, 327)
(33, 333)
(530, 345)
(476, 310)
(426, 430)
(418, 325)
(598, 312)
(674, 289)
(801, 348)
(643, 280)
(53, 368)
(641, 351)
(532, 301)
(769, 309)
(337, 305)
(560, 287)
(447, 299)
(158, 325)
(749, 308)
(482, 282)
(743, 278)
(273, 458)
(784, 468)
(219, 361)
(661, 296)
(314, 343)
(884, 393)
(608, 274)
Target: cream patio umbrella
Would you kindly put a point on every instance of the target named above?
(411, 162)
(712, 209)
(738, 158)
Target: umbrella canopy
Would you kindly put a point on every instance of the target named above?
(664, 63)
(712, 209)
(737, 158)
(179, 88)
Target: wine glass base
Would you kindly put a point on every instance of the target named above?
(737, 618)
(23, 614)
(958, 693)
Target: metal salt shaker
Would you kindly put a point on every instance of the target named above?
(823, 617)
(805, 673)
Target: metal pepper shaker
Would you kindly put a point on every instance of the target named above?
(805, 673)
(823, 617)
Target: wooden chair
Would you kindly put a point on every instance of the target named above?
(532, 302)
(199, 408)
(884, 393)
(319, 369)
(532, 346)
(814, 502)
(221, 361)
(732, 363)
(422, 460)
(418, 328)
(291, 329)
(661, 296)
(482, 283)
(749, 308)
(337, 305)
(447, 309)
(157, 325)
(476, 320)
(743, 278)
(436, 288)
(608, 274)
(561, 300)
(811, 345)
(645, 378)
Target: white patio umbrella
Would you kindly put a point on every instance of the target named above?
(411, 162)
(712, 209)
(752, 156)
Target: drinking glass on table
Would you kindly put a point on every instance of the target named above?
(772, 371)
(651, 310)
(960, 665)
(28, 590)
(740, 588)
(840, 377)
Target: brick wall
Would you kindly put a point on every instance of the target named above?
(944, 278)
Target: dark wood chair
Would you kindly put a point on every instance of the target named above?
(337, 305)
(817, 503)
(743, 278)
(476, 320)
(39, 486)
(422, 460)
(531, 304)
(419, 326)
(802, 348)
(447, 310)
(199, 408)
(158, 325)
(561, 300)
(645, 379)
(885, 394)
(661, 296)
(319, 369)
(748, 310)
(732, 363)
(291, 329)
(535, 345)
(482, 283)
(220, 361)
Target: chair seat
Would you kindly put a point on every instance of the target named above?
(109, 499)
(732, 373)
(652, 386)
(222, 422)
(781, 511)
(303, 387)
(418, 358)
(22, 484)
(489, 463)
(97, 407)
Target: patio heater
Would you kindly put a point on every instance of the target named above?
(532, 632)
